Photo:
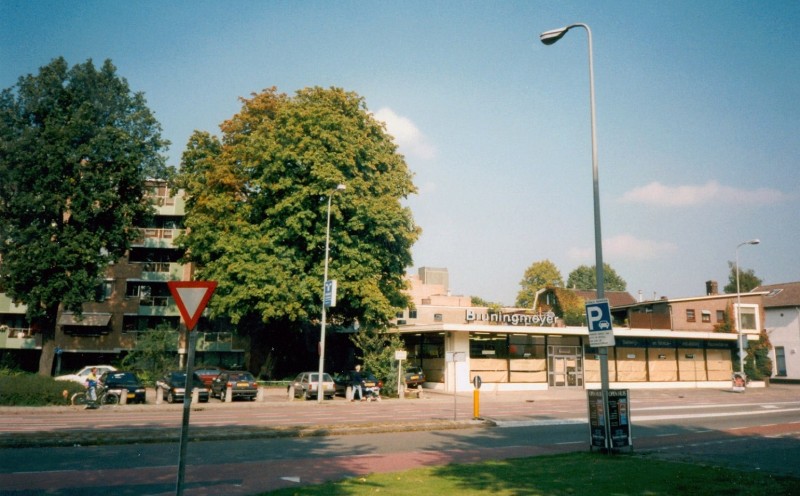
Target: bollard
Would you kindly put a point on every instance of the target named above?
(195, 395)
(123, 396)
(229, 394)
(401, 391)
(291, 393)
(348, 393)
(159, 396)
(260, 394)
(476, 404)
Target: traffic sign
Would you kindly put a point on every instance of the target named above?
(598, 318)
(191, 298)
(329, 293)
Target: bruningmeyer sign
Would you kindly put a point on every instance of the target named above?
(598, 317)
(539, 319)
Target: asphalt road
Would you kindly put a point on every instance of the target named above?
(288, 444)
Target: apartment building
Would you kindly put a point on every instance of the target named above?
(132, 299)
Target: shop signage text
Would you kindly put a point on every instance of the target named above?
(539, 319)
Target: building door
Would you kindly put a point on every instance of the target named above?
(564, 366)
(780, 361)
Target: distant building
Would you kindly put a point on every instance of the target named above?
(782, 309)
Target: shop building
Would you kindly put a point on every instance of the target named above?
(664, 343)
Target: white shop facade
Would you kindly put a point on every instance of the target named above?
(514, 350)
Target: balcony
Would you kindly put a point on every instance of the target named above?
(154, 237)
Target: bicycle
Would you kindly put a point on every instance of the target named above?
(104, 397)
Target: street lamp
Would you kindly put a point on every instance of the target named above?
(548, 38)
(320, 392)
(739, 304)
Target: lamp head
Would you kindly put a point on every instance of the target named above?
(340, 187)
(550, 37)
(754, 241)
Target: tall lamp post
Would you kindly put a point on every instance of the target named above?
(548, 38)
(320, 392)
(739, 304)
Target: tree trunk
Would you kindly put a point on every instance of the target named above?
(47, 327)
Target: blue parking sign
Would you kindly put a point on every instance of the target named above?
(598, 318)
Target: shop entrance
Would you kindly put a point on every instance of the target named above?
(564, 366)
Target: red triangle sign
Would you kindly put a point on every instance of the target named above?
(191, 298)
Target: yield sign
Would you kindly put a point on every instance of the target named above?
(191, 298)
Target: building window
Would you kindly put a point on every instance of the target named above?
(399, 315)
(412, 314)
(720, 315)
(780, 361)
(437, 317)
(706, 316)
(690, 315)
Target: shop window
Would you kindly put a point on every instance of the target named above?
(690, 317)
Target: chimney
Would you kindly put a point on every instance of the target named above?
(712, 288)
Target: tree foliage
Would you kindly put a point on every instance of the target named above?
(585, 277)
(257, 210)
(748, 280)
(76, 146)
(378, 356)
(154, 353)
(538, 276)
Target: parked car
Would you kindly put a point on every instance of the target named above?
(124, 381)
(80, 376)
(344, 380)
(242, 384)
(208, 374)
(305, 385)
(414, 377)
(173, 385)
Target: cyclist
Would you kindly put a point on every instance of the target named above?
(91, 389)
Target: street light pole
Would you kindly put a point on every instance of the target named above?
(739, 304)
(548, 38)
(320, 392)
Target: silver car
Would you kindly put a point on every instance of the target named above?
(305, 386)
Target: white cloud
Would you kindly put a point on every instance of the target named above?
(658, 194)
(406, 134)
(625, 247)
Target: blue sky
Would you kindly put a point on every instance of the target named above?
(698, 117)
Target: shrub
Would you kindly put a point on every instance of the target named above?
(24, 389)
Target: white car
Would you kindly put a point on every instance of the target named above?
(80, 376)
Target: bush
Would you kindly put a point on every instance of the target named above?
(24, 389)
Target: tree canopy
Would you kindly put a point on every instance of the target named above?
(585, 277)
(257, 203)
(748, 280)
(539, 275)
(76, 146)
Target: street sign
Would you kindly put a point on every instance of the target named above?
(598, 318)
(191, 298)
(329, 298)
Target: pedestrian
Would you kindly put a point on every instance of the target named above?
(91, 389)
(356, 381)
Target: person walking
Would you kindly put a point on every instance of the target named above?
(356, 381)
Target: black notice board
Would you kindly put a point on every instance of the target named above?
(614, 432)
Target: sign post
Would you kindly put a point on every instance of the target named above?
(191, 297)
(400, 355)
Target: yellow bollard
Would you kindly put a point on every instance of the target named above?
(476, 404)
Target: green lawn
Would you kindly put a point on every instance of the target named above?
(575, 474)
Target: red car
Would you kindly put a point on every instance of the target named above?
(208, 374)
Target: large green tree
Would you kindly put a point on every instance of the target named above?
(257, 209)
(585, 277)
(539, 275)
(76, 146)
(748, 280)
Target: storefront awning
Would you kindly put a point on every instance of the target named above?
(87, 319)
